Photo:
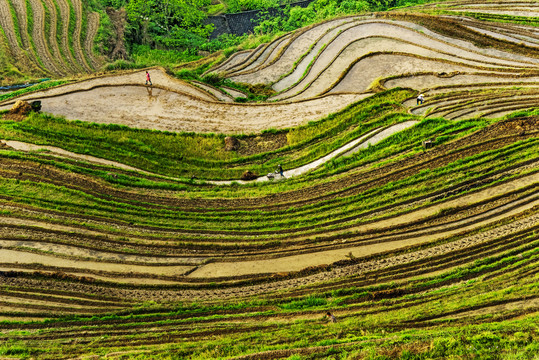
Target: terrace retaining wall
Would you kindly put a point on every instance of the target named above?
(245, 22)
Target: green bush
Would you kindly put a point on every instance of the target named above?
(311, 301)
(124, 65)
(213, 79)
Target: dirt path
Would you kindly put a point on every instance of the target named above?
(352, 147)
(22, 146)
(496, 136)
(299, 262)
(348, 149)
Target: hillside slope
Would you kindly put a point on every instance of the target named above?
(129, 228)
(52, 38)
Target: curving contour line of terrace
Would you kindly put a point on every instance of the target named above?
(377, 238)
(51, 42)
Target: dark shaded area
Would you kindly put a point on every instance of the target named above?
(245, 22)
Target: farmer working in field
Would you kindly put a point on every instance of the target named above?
(420, 99)
(331, 317)
(148, 80)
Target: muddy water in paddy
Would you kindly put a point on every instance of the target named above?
(154, 108)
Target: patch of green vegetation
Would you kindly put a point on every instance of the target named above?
(216, 9)
(308, 302)
(41, 86)
(143, 54)
(193, 154)
(72, 26)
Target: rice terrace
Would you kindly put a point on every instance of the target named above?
(349, 180)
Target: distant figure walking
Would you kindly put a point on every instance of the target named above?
(280, 169)
(148, 80)
(331, 317)
(420, 99)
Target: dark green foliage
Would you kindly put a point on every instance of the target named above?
(144, 56)
(319, 10)
(180, 26)
(308, 302)
(41, 86)
(213, 79)
(124, 65)
(234, 6)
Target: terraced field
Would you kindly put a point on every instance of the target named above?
(132, 233)
(45, 37)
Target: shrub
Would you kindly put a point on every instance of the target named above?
(213, 79)
(123, 65)
(311, 301)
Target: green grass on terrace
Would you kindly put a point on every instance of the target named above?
(203, 155)
(422, 323)
(53, 197)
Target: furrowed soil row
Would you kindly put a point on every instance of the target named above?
(298, 237)
(307, 84)
(232, 61)
(389, 173)
(77, 47)
(22, 19)
(244, 234)
(402, 242)
(93, 27)
(65, 16)
(6, 22)
(287, 55)
(381, 264)
(38, 35)
(53, 36)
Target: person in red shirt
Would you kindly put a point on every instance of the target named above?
(148, 80)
